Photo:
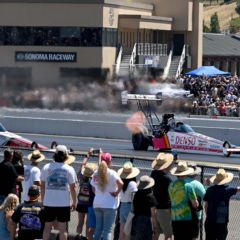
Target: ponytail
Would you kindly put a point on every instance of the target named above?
(102, 175)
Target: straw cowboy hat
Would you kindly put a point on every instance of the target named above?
(128, 171)
(62, 149)
(221, 177)
(145, 182)
(162, 161)
(36, 156)
(197, 170)
(89, 169)
(182, 169)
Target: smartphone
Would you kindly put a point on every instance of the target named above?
(96, 151)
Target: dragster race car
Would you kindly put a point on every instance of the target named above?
(167, 134)
(12, 140)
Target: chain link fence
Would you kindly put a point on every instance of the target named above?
(144, 164)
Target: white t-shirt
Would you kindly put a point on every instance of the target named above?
(57, 178)
(128, 194)
(105, 199)
(31, 174)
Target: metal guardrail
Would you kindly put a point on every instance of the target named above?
(144, 164)
(133, 58)
(167, 67)
(118, 61)
(181, 62)
(152, 49)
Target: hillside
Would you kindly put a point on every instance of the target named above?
(225, 12)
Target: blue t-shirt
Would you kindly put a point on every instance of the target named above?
(199, 190)
(218, 197)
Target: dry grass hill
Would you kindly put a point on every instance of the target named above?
(225, 12)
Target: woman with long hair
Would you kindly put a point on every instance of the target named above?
(128, 174)
(107, 185)
(6, 211)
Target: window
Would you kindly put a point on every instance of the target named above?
(58, 36)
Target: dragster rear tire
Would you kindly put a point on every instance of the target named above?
(227, 145)
(34, 145)
(140, 142)
(54, 145)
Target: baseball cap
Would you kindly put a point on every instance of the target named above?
(106, 157)
(33, 191)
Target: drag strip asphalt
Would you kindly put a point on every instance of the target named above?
(124, 147)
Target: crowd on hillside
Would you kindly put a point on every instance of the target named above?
(170, 201)
(215, 96)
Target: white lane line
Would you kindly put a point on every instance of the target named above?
(73, 137)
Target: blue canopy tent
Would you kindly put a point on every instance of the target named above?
(208, 71)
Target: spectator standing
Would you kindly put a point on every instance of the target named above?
(32, 172)
(85, 200)
(107, 186)
(18, 164)
(143, 209)
(128, 174)
(217, 205)
(6, 210)
(8, 176)
(85, 195)
(58, 181)
(29, 217)
(161, 167)
(182, 195)
(200, 193)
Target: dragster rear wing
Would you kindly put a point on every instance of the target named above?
(153, 97)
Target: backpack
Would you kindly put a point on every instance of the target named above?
(84, 193)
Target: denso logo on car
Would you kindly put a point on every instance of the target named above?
(185, 140)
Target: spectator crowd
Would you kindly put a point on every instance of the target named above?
(215, 96)
(171, 201)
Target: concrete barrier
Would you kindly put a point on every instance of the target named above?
(66, 127)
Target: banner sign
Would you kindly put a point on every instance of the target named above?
(45, 56)
(152, 61)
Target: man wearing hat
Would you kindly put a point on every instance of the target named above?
(181, 194)
(58, 181)
(29, 217)
(200, 193)
(143, 209)
(162, 220)
(32, 172)
(217, 199)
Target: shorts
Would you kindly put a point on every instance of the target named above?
(91, 219)
(125, 208)
(61, 214)
(164, 222)
(82, 209)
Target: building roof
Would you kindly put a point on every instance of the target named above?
(215, 44)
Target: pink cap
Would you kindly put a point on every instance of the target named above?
(106, 157)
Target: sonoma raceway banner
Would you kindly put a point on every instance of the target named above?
(45, 56)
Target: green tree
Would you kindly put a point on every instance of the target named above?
(214, 24)
(238, 6)
(205, 27)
